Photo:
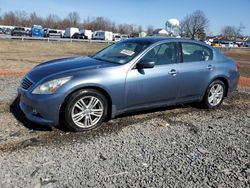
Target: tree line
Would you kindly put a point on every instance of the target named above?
(22, 18)
(194, 25)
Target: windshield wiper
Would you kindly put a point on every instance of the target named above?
(100, 59)
(97, 58)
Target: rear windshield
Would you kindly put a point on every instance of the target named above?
(19, 28)
(51, 31)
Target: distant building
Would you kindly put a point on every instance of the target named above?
(160, 32)
(142, 34)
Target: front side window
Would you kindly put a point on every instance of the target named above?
(195, 52)
(162, 54)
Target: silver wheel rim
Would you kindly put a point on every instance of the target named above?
(87, 112)
(215, 95)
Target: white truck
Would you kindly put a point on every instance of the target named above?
(103, 35)
(228, 44)
(87, 33)
(70, 31)
(124, 37)
(116, 37)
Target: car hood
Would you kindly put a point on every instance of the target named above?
(64, 65)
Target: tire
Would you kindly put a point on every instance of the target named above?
(85, 110)
(217, 96)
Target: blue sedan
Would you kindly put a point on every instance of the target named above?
(131, 75)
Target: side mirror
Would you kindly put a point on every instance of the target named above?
(145, 64)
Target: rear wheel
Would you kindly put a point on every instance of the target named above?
(214, 95)
(85, 110)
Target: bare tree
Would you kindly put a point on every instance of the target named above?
(15, 18)
(150, 30)
(21, 18)
(232, 32)
(64, 23)
(99, 23)
(194, 24)
(74, 19)
(52, 21)
(139, 29)
(9, 18)
(34, 19)
(1, 16)
(126, 28)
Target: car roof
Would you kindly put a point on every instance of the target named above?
(153, 40)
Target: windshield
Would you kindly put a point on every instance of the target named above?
(19, 28)
(121, 52)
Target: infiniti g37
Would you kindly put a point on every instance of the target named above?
(131, 75)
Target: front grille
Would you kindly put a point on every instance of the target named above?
(26, 83)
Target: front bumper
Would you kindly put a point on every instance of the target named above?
(41, 109)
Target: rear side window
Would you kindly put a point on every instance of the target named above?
(195, 52)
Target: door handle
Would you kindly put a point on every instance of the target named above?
(172, 72)
(210, 67)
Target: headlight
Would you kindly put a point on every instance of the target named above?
(50, 86)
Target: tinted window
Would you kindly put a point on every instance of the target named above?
(162, 54)
(52, 31)
(19, 28)
(196, 52)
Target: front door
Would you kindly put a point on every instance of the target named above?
(153, 86)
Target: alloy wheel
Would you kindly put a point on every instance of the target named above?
(87, 111)
(216, 94)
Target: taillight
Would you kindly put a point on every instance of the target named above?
(237, 66)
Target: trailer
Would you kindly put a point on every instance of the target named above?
(70, 31)
(61, 32)
(103, 35)
(87, 33)
(116, 37)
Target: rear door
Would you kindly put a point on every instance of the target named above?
(195, 70)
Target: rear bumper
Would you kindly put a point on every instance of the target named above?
(233, 82)
(41, 109)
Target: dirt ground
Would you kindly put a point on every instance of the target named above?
(242, 56)
(24, 55)
(181, 146)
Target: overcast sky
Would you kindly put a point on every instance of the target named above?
(141, 12)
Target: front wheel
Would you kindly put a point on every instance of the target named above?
(214, 95)
(85, 110)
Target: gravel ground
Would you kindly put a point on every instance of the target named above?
(181, 146)
(8, 87)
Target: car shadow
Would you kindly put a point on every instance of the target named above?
(19, 115)
(59, 134)
(121, 119)
(157, 109)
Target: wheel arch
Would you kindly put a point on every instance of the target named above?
(224, 80)
(99, 89)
